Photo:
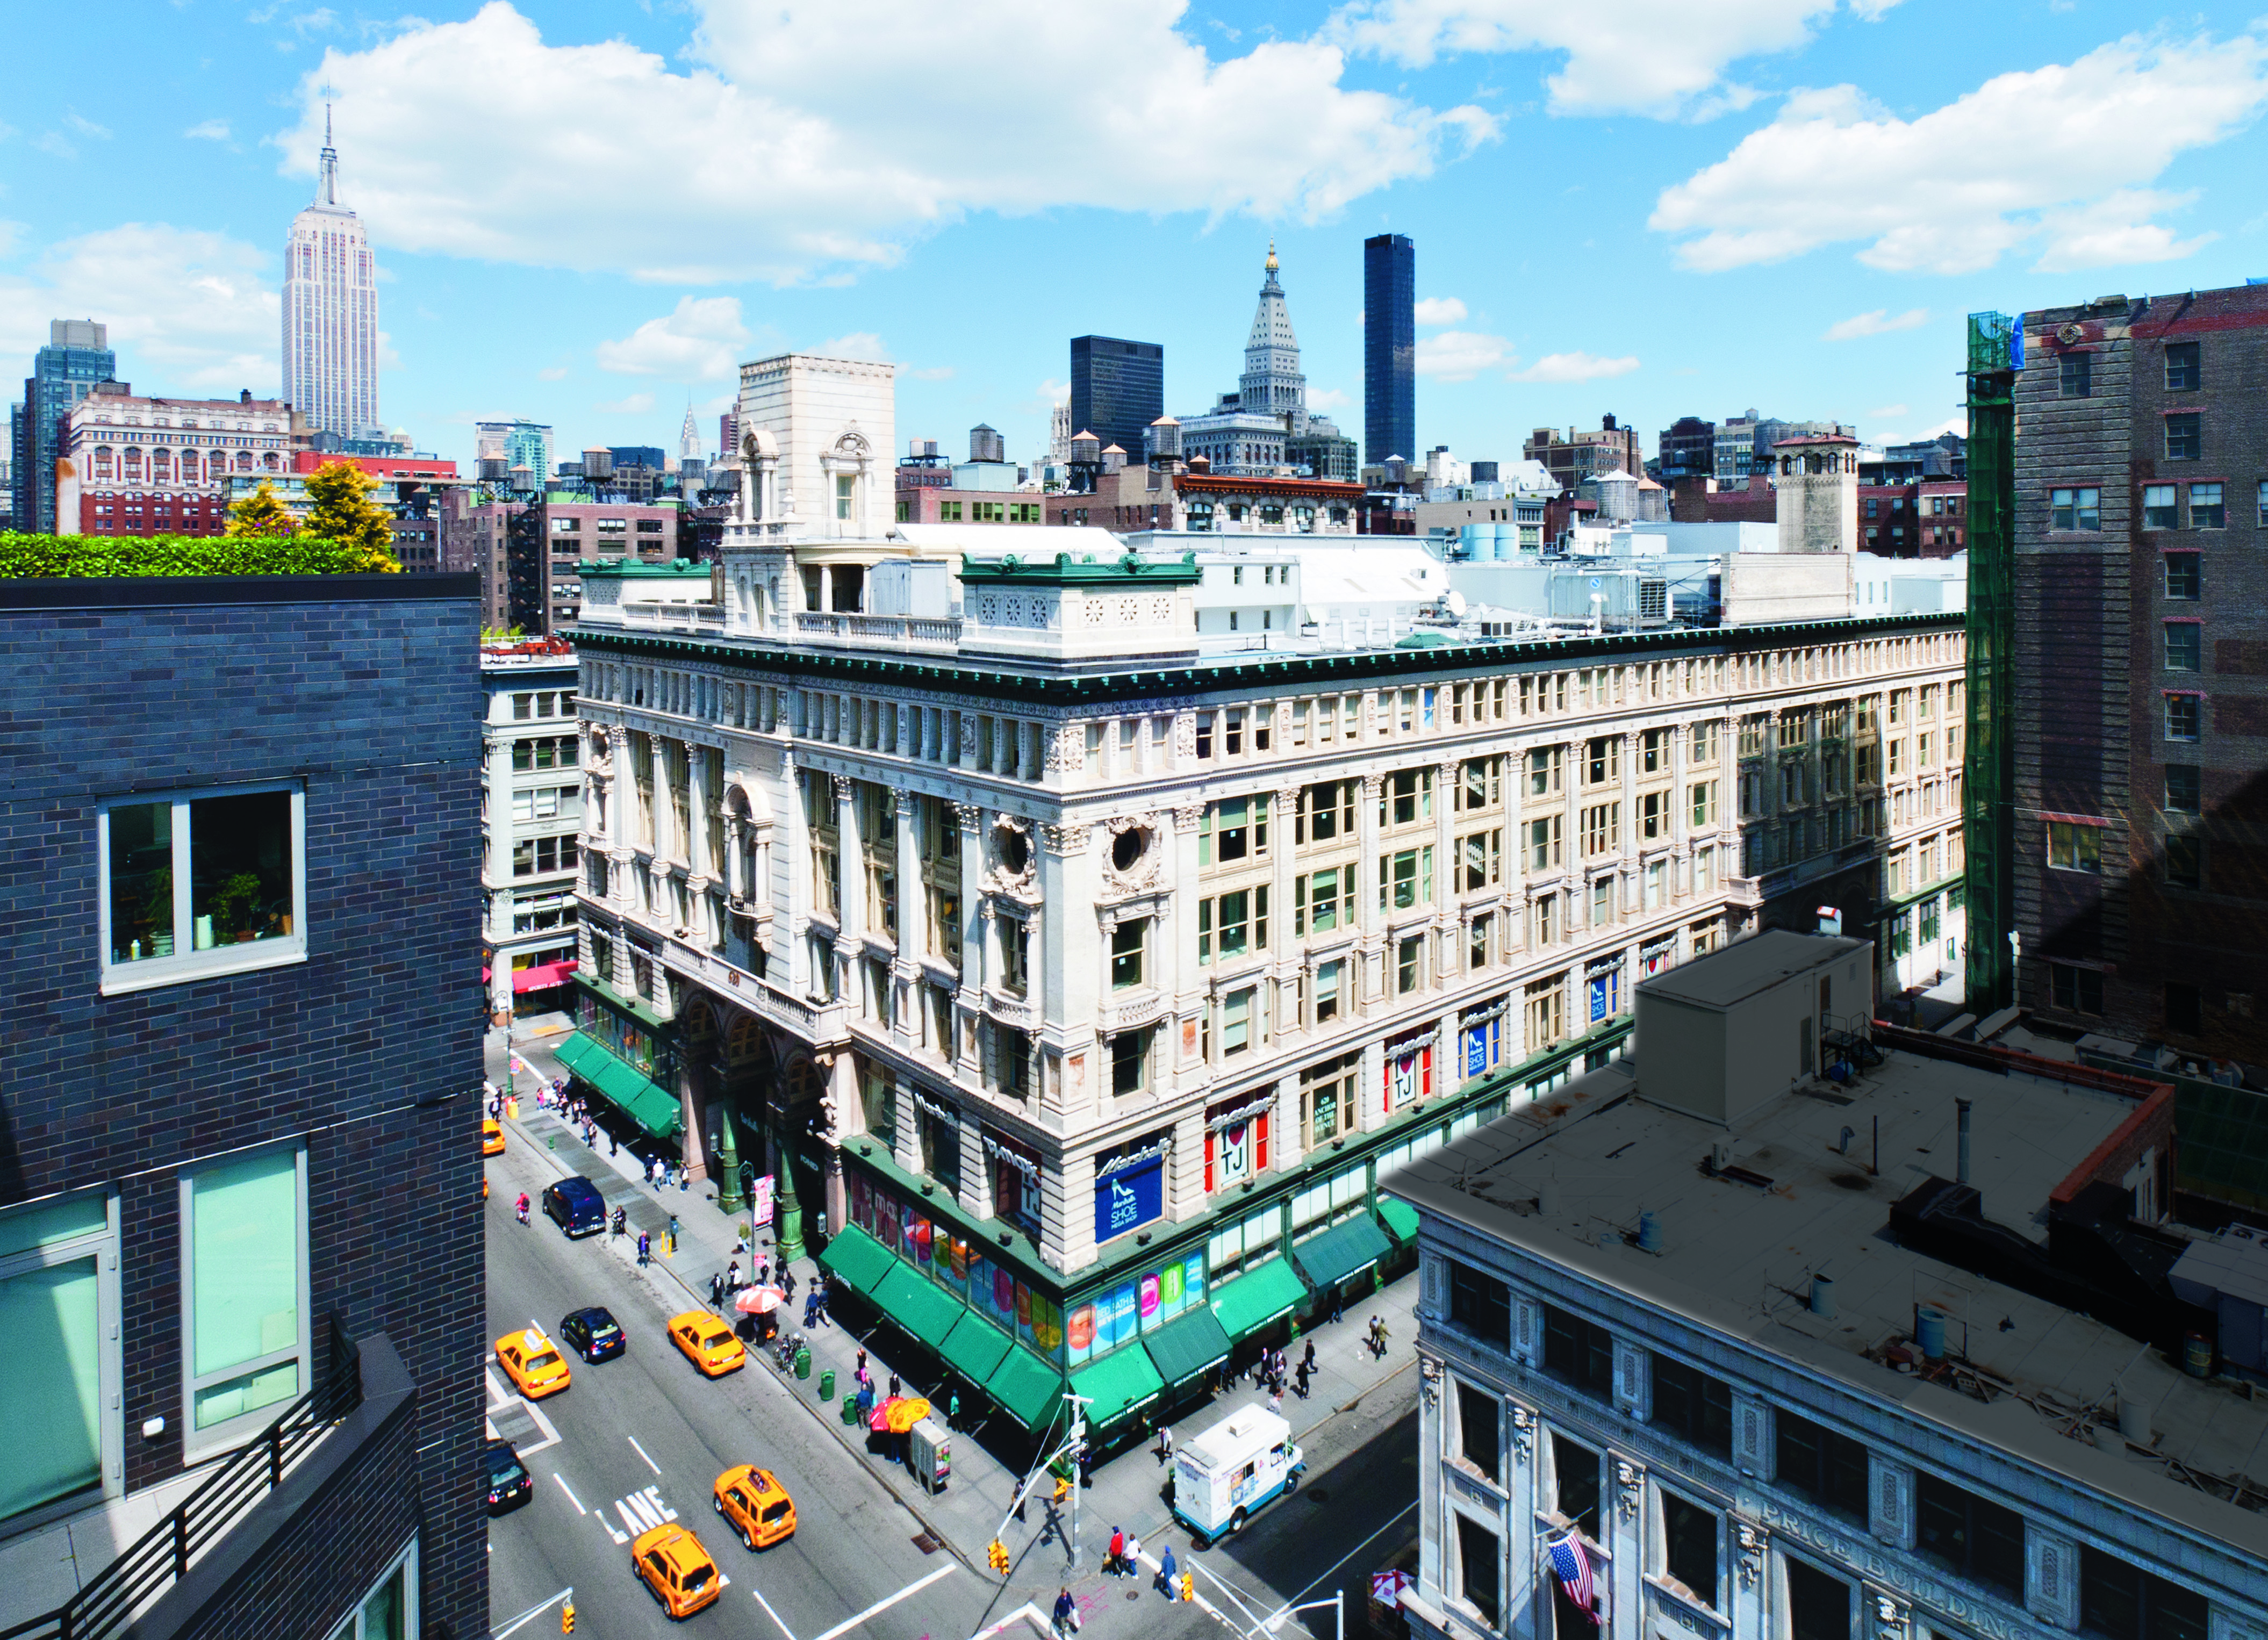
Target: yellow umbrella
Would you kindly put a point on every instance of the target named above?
(904, 1415)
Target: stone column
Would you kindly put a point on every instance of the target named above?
(1178, 1034)
(736, 882)
(975, 1169)
(697, 858)
(913, 917)
(905, 1144)
(1369, 969)
(1624, 1532)
(1750, 1602)
(851, 869)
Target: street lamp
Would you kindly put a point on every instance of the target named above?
(1337, 1603)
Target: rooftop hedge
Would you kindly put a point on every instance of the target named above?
(23, 556)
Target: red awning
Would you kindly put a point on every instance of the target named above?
(542, 976)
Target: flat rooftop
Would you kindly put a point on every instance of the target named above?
(1739, 1247)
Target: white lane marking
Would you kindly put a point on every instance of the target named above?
(879, 1606)
(529, 1616)
(641, 1451)
(652, 1495)
(774, 1615)
(633, 1513)
(550, 1430)
(619, 1537)
(1027, 1612)
(497, 1395)
(570, 1491)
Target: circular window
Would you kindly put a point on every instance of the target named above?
(1015, 852)
(1126, 848)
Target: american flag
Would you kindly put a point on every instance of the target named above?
(1574, 1569)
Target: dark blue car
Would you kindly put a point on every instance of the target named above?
(576, 1206)
(594, 1334)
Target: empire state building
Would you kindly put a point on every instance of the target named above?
(330, 313)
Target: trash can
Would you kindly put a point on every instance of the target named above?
(827, 1385)
(803, 1362)
(850, 1411)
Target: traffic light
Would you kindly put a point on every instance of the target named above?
(1188, 1587)
(997, 1556)
(1062, 1488)
(567, 1617)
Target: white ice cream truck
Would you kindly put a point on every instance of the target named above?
(1225, 1475)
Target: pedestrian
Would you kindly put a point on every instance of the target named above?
(811, 1310)
(1166, 1571)
(859, 1372)
(1308, 1361)
(645, 1248)
(1378, 1336)
(1165, 1443)
(1275, 1402)
(1066, 1614)
(1338, 1302)
(1086, 1465)
(953, 1411)
(893, 1386)
(764, 1274)
(732, 1277)
(684, 1177)
(1133, 1556)
(716, 1292)
(649, 1172)
(1300, 1383)
(787, 1283)
(614, 1144)
(1115, 1565)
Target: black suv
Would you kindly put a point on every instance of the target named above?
(594, 1333)
(576, 1206)
(509, 1484)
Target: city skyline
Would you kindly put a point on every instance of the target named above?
(1581, 304)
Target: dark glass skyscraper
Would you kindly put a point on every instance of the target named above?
(1117, 389)
(1389, 347)
(76, 357)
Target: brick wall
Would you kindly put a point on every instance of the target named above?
(368, 690)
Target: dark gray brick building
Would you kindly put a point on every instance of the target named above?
(2141, 663)
(240, 1173)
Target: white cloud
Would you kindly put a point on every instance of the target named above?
(55, 145)
(933, 373)
(86, 127)
(1439, 310)
(1952, 424)
(859, 344)
(1328, 399)
(2062, 153)
(1886, 413)
(209, 131)
(194, 306)
(1053, 391)
(1573, 367)
(822, 140)
(699, 342)
(636, 404)
(1460, 354)
(557, 372)
(1661, 58)
(1877, 322)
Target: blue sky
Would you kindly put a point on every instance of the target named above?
(587, 214)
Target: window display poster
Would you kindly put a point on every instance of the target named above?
(1130, 1197)
(1078, 1333)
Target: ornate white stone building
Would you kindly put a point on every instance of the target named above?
(1264, 425)
(1086, 982)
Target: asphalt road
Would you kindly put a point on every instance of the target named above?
(643, 1436)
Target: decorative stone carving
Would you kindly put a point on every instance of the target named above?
(842, 789)
(1062, 840)
(1630, 1483)
(1130, 863)
(1066, 747)
(1888, 1615)
(1372, 786)
(1749, 1540)
(1013, 867)
(1523, 1433)
(1429, 1379)
(1185, 820)
(966, 816)
(904, 808)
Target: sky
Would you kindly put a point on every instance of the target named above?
(589, 214)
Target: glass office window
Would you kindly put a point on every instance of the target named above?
(243, 1230)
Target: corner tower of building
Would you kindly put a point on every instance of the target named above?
(1272, 384)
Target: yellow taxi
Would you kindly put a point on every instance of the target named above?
(491, 1136)
(533, 1362)
(707, 1342)
(756, 1505)
(670, 1561)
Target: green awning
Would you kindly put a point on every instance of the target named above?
(1253, 1300)
(918, 1304)
(622, 1084)
(1121, 1383)
(1341, 1250)
(1028, 1387)
(857, 1258)
(1400, 1217)
(1186, 1346)
(973, 1347)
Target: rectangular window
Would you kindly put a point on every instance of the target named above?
(1327, 1101)
(2184, 788)
(1130, 1062)
(1818, 1603)
(1603, 828)
(1701, 798)
(2184, 862)
(2076, 990)
(2120, 1601)
(1409, 965)
(1692, 1405)
(1235, 829)
(1580, 1351)
(2260, 501)
(1323, 901)
(2077, 375)
(2183, 374)
(244, 1286)
(1480, 1554)
(2184, 579)
(1829, 1469)
(2075, 509)
(1326, 812)
(2184, 646)
(1482, 859)
(1689, 1547)
(61, 1308)
(1602, 760)
(2185, 436)
(1481, 1305)
(1479, 1419)
(2160, 507)
(1405, 878)
(2207, 509)
(1546, 1005)
(1701, 744)
(1330, 989)
(204, 883)
(2074, 847)
(2184, 717)
(1543, 851)
(1544, 771)
(1231, 925)
(1406, 797)
(1978, 1540)
(1127, 941)
(1575, 1483)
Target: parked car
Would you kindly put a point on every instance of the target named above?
(576, 1206)
(509, 1484)
(594, 1333)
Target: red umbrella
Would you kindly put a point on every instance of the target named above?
(880, 1420)
(758, 1300)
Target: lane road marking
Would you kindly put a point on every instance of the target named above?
(879, 1606)
(641, 1451)
(774, 1615)
(570, 1491)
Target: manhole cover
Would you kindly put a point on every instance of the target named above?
(925, 1543)
(1133, 1595)
(1849, 1181)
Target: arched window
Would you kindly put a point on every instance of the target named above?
(244, 460)
(105, 464)
(274, 462)
(133, 464)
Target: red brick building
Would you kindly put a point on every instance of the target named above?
(134, 466)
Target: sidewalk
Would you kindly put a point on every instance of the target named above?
(1128, 1490)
